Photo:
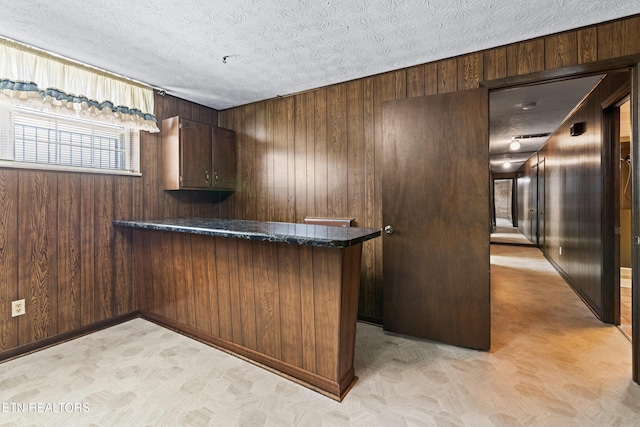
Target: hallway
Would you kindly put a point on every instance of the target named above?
(551, 363)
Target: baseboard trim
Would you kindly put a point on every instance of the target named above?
(573, 286)
(32, 347)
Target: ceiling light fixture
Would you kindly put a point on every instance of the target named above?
(529, 105)
(515, 145)
(506, 165)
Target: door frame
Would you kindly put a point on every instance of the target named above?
(629, 63)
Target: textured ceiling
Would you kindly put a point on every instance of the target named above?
(551, 104)
(279, 47)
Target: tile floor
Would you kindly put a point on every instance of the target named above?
(551, 363)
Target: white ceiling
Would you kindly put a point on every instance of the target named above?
(547, 106)
(279, 47)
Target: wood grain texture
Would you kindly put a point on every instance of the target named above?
(619, 38)
(587, 45)
(37, 263)
(8, 256)
(437, 290)
(69, 253)
(561, 50)
(258, 178)
(87, 245)
(104, 234)
(495, 63)
(292, 308)
(470, 71)
(574, 172)
(60, 251)
(524, 58)
(447, 76)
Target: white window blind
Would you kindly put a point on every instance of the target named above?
(36, 139)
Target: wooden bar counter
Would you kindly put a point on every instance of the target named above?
(281, 295)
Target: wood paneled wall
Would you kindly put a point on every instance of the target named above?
(574, 199)
(59, 250)
(317, 153)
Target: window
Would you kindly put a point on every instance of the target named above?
(34, 139)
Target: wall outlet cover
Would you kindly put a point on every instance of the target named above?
(17, 308)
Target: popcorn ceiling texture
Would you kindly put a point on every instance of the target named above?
(279, 47)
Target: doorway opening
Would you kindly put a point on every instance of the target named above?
(625, 183)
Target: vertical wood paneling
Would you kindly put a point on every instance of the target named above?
(181, 273)
(269, 187)
(8, 256)
(234, 292)
(447, 76)
(309, 106)
(69, 252)
(300, 158)
(321, 195)
(265, 265)
(213, 286)
(261, 165)
(290, 304)
(431, 78)
(587, 45)
(525, 58)
(290, 207)
(87, 245)
(37, 263)
(355, 185)
(104, 233)
(619, 38)
(470, 71)
(495, 63)
(307, 314)
(337, 178)
(144, 271)
(327, 309)
(201, 281)
(247, 295)
(72, 266)
(561, 50)
(415, 81)
(246, 156)
(122, 254)
(224, 291)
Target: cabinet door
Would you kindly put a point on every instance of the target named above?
(224, 158)
(195, 155)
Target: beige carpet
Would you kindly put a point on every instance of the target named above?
(506, 233)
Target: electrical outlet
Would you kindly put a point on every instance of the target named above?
(17, 308)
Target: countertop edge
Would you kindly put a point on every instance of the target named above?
(249, 235)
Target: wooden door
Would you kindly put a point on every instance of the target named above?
(435, 195)
(195, 155)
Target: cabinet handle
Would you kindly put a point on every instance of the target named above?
(206, 175)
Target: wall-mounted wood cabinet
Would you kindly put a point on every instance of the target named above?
(197, 156)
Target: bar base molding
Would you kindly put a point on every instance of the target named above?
(324, 386)
(289, 305)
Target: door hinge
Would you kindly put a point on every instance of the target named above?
(636, 240)
(616, 230)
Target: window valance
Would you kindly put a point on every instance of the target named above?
(29, 76)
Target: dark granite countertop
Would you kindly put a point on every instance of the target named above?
(297, 234)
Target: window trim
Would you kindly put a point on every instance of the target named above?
(135, 142)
